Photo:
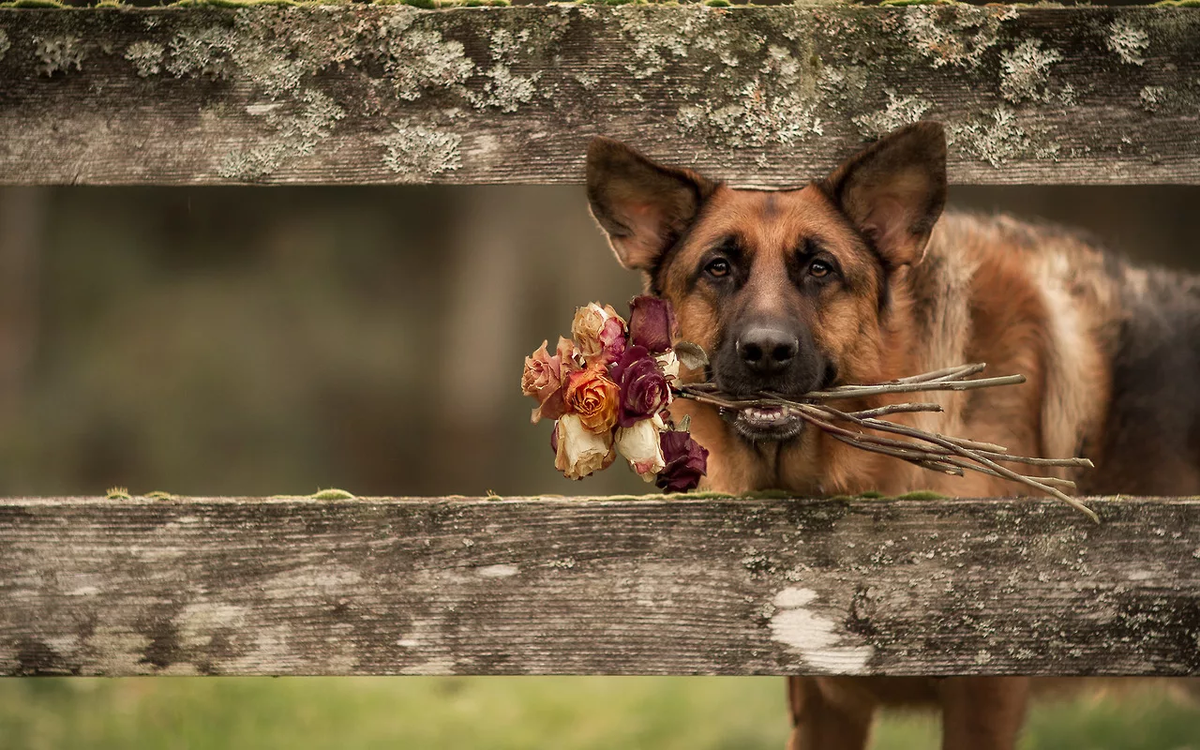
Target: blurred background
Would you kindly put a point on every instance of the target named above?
(259, 341)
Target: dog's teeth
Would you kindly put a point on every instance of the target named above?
(772, 414)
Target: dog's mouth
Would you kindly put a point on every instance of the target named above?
(765, 423)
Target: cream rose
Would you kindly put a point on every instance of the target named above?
(588, 329)
(668, 361)
(641, 446)
(581, 451)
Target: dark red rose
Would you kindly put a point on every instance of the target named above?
(644, 389)
(652, 324)
(686, 462)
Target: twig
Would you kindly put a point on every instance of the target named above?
(883, 411)
(858, 391)
(941, 453)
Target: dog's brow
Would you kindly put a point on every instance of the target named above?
(730, 243)
(733, 246)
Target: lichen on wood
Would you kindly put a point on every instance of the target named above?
(59, 54)
(417, 153)
(147, 57)
(956, 34)
(1128, 41)
(759, 96)
(1026, 71)
(900, 111)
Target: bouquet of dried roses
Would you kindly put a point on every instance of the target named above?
(608, 389)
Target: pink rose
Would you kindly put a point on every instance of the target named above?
(652, 324)
(579, 451)
(644, 389)
(543, 381)
(686, 461)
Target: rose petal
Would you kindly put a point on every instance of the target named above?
(652, 323)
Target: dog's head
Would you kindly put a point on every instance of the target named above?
(787, 290)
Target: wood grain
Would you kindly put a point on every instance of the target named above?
(759, 96)
(657, 585)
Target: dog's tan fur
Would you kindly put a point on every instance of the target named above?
(1024, 299)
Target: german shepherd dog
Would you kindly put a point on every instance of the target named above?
(860, 278)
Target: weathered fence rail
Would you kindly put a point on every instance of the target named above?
(762, 96)
(598, 586)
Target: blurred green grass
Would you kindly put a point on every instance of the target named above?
(565, 713)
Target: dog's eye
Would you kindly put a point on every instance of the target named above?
(819, 268)
(717, 268)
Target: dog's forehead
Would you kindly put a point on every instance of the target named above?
(763, 221)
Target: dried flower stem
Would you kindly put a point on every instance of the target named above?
(941, 453)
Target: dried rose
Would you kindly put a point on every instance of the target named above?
(668, 362)
(587, 328)
(686, 461)
(594, 398)
(580, 451)
(652, 323)
(612, 339)
(543, 381)
(644, 389)
(640, 445)
(570, 358)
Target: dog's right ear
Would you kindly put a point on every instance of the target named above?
(644, 207)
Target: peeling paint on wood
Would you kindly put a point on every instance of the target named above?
(675, 585)
(760, 96)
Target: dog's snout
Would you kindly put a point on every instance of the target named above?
(767, 351)
(775, 355)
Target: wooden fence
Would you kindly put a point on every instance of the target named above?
(598, 586)
(357, 94)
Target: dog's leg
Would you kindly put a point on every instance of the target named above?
(824, 721)
(982, 713)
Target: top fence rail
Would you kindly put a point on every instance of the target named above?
(759, 96)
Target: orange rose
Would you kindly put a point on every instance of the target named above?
(594, 398)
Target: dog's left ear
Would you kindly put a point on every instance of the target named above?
(894, 190)
(642, 206)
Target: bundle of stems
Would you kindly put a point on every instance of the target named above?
(929, 450)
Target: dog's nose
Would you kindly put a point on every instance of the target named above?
(767, 351)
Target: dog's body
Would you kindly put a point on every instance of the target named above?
(859, 279)
(1110, 352)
